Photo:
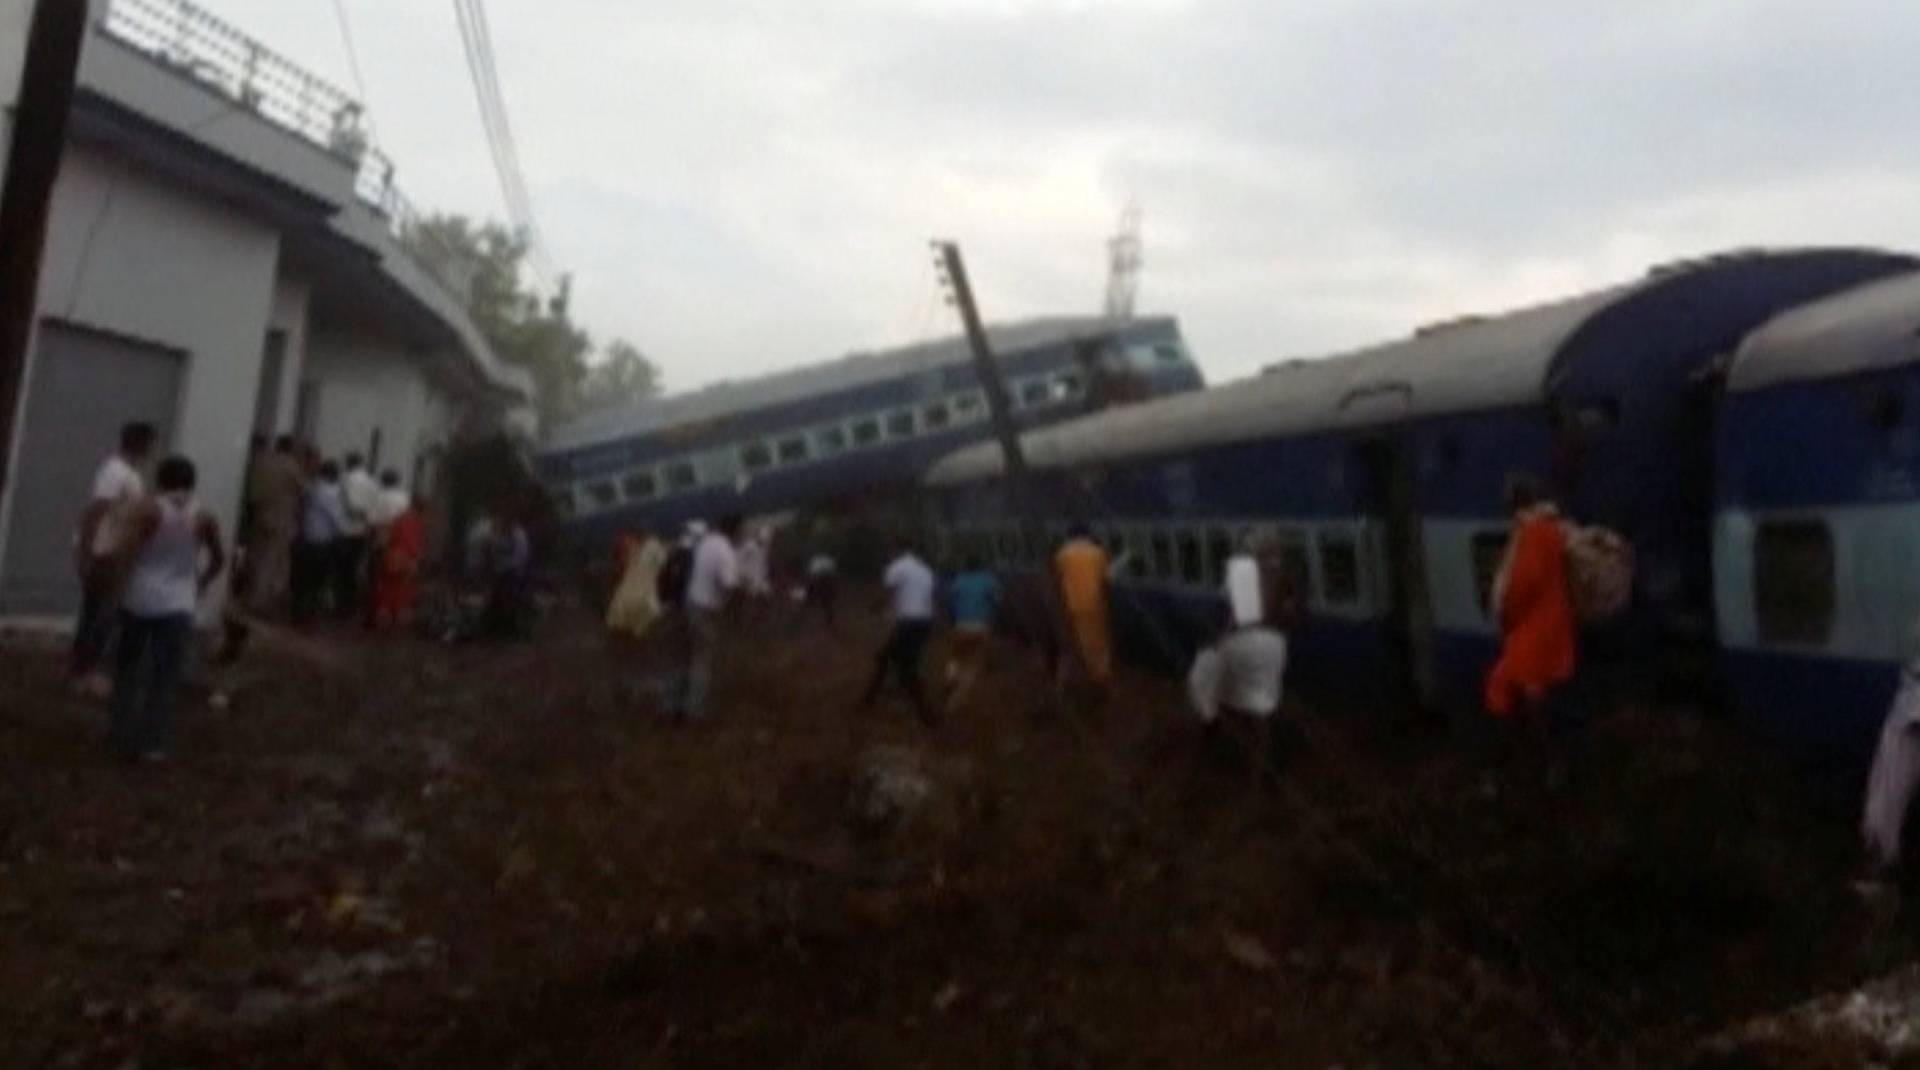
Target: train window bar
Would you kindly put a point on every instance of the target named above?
(1794, 581)
(1162, 544)
(640, 486)
(755, 455)
(1193, 565)
(1339, 567)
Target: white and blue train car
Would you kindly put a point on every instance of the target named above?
(1382, 472)
(1817, 532)
(844, 431)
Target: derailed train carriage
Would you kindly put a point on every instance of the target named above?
(1817, 523)
(1382, 471)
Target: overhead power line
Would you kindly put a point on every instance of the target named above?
(353, 54)
(476, 39)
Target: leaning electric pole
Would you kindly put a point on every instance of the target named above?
(953, 272)
(48, 71)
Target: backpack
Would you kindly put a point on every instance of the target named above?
(675, 573)
(1600, 572)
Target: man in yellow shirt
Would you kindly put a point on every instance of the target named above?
(1080, 570)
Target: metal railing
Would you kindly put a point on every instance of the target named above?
(197, 43)
(191, 40)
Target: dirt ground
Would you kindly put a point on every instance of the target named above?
(501, 855)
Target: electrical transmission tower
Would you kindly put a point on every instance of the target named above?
(1123, 266)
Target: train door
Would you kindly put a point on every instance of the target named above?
(1389, 500)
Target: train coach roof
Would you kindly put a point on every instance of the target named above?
(1462, 366)
(1862, 329)
(845, 373)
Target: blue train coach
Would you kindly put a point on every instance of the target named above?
(1817, 533)
(1382, 471)
(842, 431)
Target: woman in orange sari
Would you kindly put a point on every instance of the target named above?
(397, 582)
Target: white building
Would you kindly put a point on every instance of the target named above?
(221, 261)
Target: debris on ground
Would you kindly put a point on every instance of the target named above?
(467, 855)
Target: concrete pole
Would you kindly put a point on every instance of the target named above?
(48, 72)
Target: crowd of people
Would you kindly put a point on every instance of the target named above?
(321, 539)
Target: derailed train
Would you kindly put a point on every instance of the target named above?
(1750, 421)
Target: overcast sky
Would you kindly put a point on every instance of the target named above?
(743, 185)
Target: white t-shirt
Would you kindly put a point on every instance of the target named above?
(119, 485)
(752, 557)
(716, 570)
(1253, 665)
(911, 583)
(1243, 589)
(389, 505)
(361, 493)
(821, 566)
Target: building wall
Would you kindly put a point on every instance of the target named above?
(361, 383)
(291, 297)
(131, 256)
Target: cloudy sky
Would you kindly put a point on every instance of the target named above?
(742, 185)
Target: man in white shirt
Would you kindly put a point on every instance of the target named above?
(392, 500)
(715, 576)
(823, 585)
(117, 489)
(360, 493)
(910, 585)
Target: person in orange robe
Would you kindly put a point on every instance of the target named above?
(1533, 601)
(397, 584)
(1080, 570)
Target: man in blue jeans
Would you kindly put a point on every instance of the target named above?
(173, 555)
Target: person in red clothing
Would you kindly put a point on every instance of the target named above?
(396, 583)
(1533, 601)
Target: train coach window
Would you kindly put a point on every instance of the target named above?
(1193, 564)
(755, 456)
(604, 494)
(900, 424)
(866, 432)
(793, 450)
(935, 417)
(563, 503)
(1162, 555)
(1066, 386)
(681, 476)
(1793, 581)
(968, 407)
(1488, 548)
(639, 486)
(1034, 393)
(1138, 556)
(1296, 565)
(1339, 567)
(1168, 354)
(831, 440)
(1219, 548)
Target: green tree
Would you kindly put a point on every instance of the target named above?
(622, 376)
(484, 262)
